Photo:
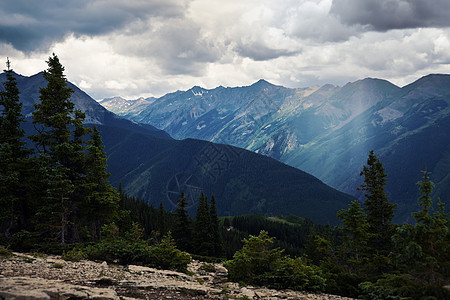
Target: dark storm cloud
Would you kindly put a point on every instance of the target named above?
(259, 52)
(30, 25)
(177, 47)
(383, 15)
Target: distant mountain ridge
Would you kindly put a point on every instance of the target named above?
(327, 131)
(95, 113)
(156, 168)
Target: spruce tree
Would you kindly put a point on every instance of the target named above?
(431, 233)
(379, 209)
(422, 255)
(182, 231)
(53, 116)
(162, 220)
(202, 234)
(102, 200)
(215, 229)
(356, 233)
(14, 159)
(59, 140)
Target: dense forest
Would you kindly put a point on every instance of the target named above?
(55, 197)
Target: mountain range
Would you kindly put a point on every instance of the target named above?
(153, 166)
(326, 131)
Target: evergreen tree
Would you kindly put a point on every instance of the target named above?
(14, 159)
(379, 209)
(356, 232)
(182, 231)
(59, 140)
(430, 237)
(202, 233)
(53, 116)
(421, 255)
(162, 220)
(102, 201)
(215, 229)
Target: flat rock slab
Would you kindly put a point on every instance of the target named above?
(38, 288)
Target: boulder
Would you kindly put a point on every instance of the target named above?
(247, 292)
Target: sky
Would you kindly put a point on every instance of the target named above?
(143, 48)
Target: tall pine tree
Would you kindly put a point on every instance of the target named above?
(182, 230)
(59, 140)
(14, 159)
(202, 233)
(422, 251)
(356, 234)
(430, 237)
(162, 221)
(379, 209)
(216, 236)
(102, 200)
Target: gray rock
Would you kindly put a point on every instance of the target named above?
(247, 292)
(21, 288)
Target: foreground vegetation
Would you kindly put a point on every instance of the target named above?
(55, 197)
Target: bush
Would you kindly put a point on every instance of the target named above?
(295, 274)
(210, 268)
(402, 287)
(133, 249)
(5, 252)
(255, 258)
(256, 263)
(75, 254)
(166, 256)
(24, 241)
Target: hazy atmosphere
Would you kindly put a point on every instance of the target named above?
(148, 48)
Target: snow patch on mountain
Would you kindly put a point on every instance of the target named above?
(201, 126)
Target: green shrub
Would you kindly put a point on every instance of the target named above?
(133, 249)
(166, 256)
(58, 265)
(208, 268)
(24, 241)
(208, 259)
(295, 274)
(74, 255)
(255, 258)
(401, 287)
(256, 263)
(5, 252)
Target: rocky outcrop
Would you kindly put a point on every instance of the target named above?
(30, 277)
(38, 288)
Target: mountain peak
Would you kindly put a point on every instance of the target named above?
(262, 82)
(198, 90)
(432, 84)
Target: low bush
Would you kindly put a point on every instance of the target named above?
(5, 252)
(257, 263)
(131, 248)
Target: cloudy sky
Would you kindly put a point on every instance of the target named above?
(150, 47)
